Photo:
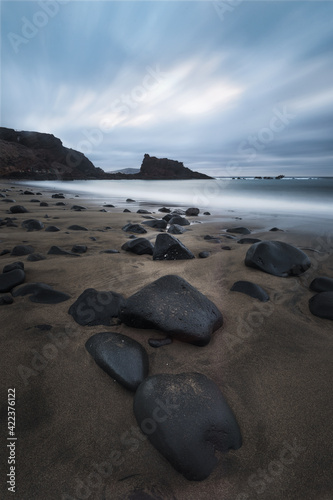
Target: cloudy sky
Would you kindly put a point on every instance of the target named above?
(229, 88)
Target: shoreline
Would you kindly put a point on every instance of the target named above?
(271, 361)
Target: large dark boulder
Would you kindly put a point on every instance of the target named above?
(322, 284)
(174, 306)
(322, 305)
(277, 258)
(18, 209)
(192, 211)
(176, 229)
(251, 289)
(94, 307)
(167, 247)
(20, 250)
(10, 279)
(186, 418)
(139, 246)
(121, 357)
(178, 219)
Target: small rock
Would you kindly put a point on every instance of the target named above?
(41, 293)
(111, 250)
(60, 204)
(22, 250)
(32, 225)
(204, 255)
(164, 210)
(159, 342)
(276, 229)
(28, 192)
(134, 228)
(126, 210)
(250, 289)
(79, 248)
(43, 204)
(18, 209)
(6, 299)
(34, 200)
(78, 208)
(207, 213)
(139, 246)
(52, 229)
(14, 265)
(142, 211)
(156, 223)
(129, 200)
(75, 227)
(58, 195)
(181, 221)
(11, 279)
(121, 357)
(226, 247)
(5, 252)
(322, 284)
(239, 230)
(55, 250)
(248, 241)
(176, 229)
(321, 305)
(192, 211)
(35, 257)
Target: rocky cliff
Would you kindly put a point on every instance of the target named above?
(38, 156)
(33, 155)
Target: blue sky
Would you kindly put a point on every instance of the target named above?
(229, 88)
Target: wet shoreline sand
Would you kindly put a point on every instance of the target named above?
(77, 435)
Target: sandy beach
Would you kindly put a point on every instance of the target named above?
(77, 437)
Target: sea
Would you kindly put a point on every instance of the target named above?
(307, 197)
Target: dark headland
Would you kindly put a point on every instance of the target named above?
(39, 156)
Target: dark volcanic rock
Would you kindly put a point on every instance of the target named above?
(35, 257)
(96, 308)
(164, 210)
(163, 168)
(121, 357)
(204, 255)
(4, 252)
(167, 247)
(60, 204)
(251, 289)
(277, 258)
(18, 209)
(174, 306)
(58, 195)
(6, 299)
(11, 279)
(192, 211)
(156, 223)
(79, 248)
(248, 241)
(22, 250)
(52, 229)
(322, 284)
(55, 250)
(78, 208)
(142, 211)
(43, 204)
(176, 229)
(139, 246)
(226, 247)
(186, 418)
(239, 230)
(159, 342)
(276, 229)
(12, 266)
(178, 219)
(75, 227)
(134, 228)
(322, 305)
(32, 225)
(41, 293)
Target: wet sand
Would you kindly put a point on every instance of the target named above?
(77, 437)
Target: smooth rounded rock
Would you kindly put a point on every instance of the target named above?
(79, 248)
(94, 307)
(174, 306)
(134, 228)
(18, 209)
(20, 250)
(156, 223)
(251, 289)
(248, 241)
(121, 357)
(139, 246)
(181, 221)
(322, 284)
(52, 229)
(204, 255)
(32, 225)
(277, 258)
(176, 229)
(186, 418)
(6, 299)
(35, 257)
(192, 211)
(12, 266)
(167, 247)
(239, 230)
(55, 250)
(322, 305)
(11, 279)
